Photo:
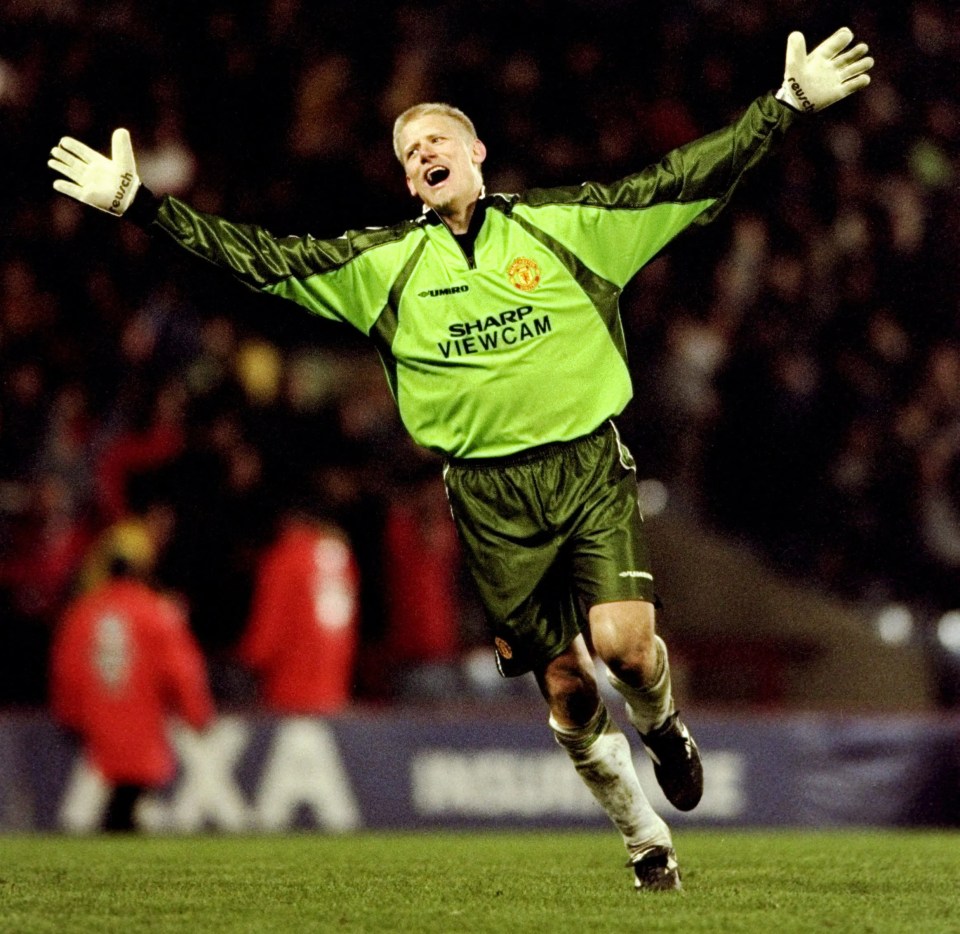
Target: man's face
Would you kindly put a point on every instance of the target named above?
(442, 162)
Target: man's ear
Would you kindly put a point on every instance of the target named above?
(478, 152)
(410, 187)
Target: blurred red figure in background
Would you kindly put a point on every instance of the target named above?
(301, 640)
(123, 661)
(421, 564)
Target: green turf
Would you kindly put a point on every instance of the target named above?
(550, 883)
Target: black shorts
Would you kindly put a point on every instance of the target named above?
(547, 534)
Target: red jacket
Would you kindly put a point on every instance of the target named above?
(123, 659)
(421, 561)
(301, 639)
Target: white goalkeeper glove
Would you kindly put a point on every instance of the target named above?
(828, 74)
(106, 184)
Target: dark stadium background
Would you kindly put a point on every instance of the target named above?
(797, 366)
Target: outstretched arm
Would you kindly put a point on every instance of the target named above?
(347, 278)
(638, 216)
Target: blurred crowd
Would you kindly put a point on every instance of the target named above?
(797, 366)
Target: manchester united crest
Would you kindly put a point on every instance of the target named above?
(524, 274)
(503, 647)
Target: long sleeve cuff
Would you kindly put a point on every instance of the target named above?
(144, 209)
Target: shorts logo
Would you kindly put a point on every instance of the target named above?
(503, 647)
(524, 274)
(645, 574)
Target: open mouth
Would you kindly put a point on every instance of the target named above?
(436, 175)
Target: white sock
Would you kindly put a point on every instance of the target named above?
(649, 706)
(601, 755)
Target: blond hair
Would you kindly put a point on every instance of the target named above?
(423, 110)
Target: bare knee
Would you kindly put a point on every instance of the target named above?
(569, 685)
(623, 635)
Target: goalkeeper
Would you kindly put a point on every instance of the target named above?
(496, 317)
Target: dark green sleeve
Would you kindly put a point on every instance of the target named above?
(713, 166)
(348, 278)
(616, 228)
(250, 252)
(708, 168)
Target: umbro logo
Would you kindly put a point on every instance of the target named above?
(436, 293)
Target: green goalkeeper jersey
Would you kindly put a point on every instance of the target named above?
(519, 341)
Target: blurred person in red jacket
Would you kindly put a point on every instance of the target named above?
(421, 565)
(123, 662)
(301, 638)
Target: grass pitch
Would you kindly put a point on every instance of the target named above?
(509, 882)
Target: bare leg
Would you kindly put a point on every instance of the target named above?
(599, 750)
(636, 658)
